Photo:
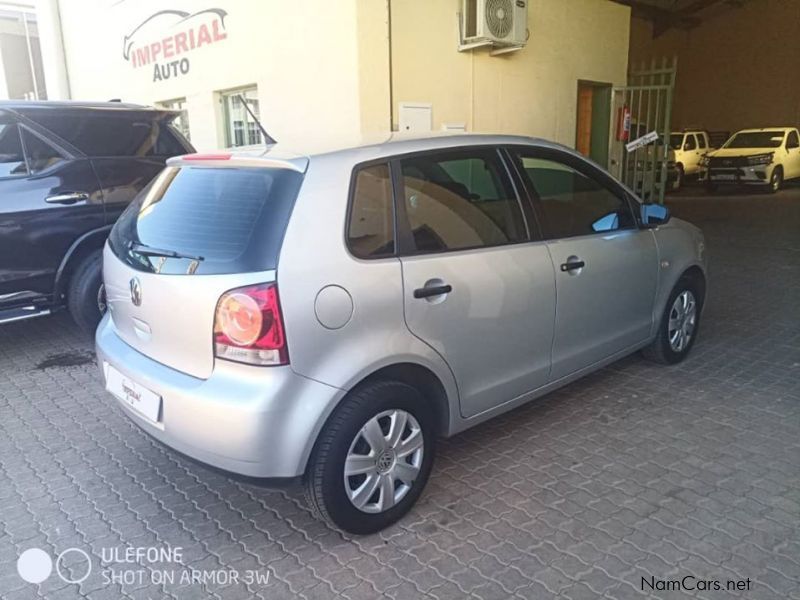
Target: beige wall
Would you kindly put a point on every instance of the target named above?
(531, 92)
(325, 73)
(306, 66)
(737, 70)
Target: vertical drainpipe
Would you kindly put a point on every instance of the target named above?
(391, 68)
(51, 41)
(3, 84)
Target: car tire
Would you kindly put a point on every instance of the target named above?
(672, 344)
(776, 180)
(85, 298)
(378, 488)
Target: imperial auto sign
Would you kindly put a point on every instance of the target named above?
(165, 40)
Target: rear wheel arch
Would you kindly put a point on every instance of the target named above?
(422, 379)
(80, 249)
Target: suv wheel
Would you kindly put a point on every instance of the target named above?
(85, 294)
(679, 325)
(373, 457)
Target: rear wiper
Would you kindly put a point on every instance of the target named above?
(145, 250)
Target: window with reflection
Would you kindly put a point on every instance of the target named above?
(572, 202)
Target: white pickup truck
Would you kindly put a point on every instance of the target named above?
(689, 146)
(766, 156)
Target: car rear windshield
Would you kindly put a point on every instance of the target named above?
(756, 139)
(102, 135)
(202, 220)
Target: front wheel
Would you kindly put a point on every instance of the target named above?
(373, 458)
(679, 324)
(776, 181)
(679, 175)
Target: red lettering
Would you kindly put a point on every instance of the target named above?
(218, 34)
(180, 43)
(143, 56)
(155, 50)
(203, 36)
(192, 44)
(169, 47)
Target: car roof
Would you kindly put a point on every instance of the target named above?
(52, 107)
(357, 149)
(764, 129)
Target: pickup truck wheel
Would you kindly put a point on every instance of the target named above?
(373, 457)
(776, 181)
(679, 324)
(85, 295)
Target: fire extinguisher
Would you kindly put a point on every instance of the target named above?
(623, 124)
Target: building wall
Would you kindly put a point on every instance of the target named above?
(325, 73)
(736, 70)
(305, 65)
(531, 92)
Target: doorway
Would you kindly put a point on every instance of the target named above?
(593, 120)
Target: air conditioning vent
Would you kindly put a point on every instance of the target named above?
(501, 24)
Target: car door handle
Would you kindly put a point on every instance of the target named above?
(433, 290)
(572, 265)
(68, 198)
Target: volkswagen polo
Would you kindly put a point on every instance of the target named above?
(330, 315)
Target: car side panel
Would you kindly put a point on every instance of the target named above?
(680, 247)
(34, 234)
(314, 257)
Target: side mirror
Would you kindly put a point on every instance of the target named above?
(687, 146)
(654, 215)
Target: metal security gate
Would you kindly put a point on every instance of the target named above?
(642, 107)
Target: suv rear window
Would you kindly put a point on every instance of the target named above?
(110, 135)
(219, 221)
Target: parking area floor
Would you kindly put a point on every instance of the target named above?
(636, 472)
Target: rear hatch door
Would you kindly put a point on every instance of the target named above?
(194, 233)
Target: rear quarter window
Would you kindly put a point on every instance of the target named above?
(233, 219)
(370, 230)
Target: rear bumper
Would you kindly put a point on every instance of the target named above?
(258, 422)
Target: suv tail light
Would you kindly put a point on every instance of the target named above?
(248, 326)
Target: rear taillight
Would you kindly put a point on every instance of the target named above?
(248, 326)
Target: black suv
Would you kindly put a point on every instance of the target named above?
(67, 171)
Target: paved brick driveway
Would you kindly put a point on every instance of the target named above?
(637, 471)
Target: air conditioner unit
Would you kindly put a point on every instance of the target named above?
(502, 23)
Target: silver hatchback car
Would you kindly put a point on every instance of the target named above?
(329, 316)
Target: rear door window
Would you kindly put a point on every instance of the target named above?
(370, 230)
(12, 159)
(229, 220)
(40, 154)
(458, 200)
(111, 135)
(701, 140)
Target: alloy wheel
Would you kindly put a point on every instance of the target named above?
(383, 461)
(682, 321)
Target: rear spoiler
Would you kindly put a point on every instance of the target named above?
(229, 160)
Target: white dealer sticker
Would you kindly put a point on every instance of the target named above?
(647, 138)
